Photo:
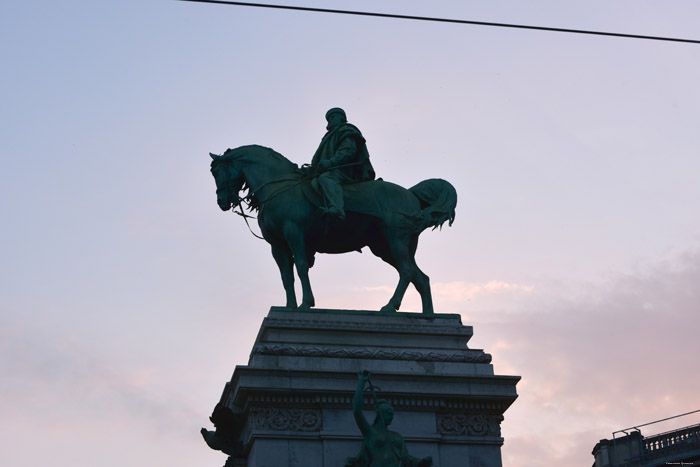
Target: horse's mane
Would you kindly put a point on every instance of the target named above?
(263, 156)
(258, 151)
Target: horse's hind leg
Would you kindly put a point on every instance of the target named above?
(396, 254)
(411, 273)
(283, 257)
(422, 284)
(401, 255)
(420, 281)
(395, 301)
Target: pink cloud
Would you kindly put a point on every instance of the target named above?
(623, 353)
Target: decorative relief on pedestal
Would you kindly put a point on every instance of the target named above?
(469, 424)
(466, 356)
(284, 419)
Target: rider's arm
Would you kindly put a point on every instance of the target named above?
(345, 154)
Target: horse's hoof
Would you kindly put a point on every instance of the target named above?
(387, 309)
(304, 307)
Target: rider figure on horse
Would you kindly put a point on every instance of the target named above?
(341, 158)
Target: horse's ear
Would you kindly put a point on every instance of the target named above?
(213, 156)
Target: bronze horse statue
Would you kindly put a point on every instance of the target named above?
(381, 215)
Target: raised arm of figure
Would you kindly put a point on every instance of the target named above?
(358, 402)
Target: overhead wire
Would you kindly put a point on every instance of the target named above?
(445, 20)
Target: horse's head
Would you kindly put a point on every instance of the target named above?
(229, 180)
(248, 167)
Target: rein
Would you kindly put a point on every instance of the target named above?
(251, 192)
(245, 218)
(297, 180)
(248, 199)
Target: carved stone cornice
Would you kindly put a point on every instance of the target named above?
(418, 328)
(261, 401)
(465, 424)
(372, 353)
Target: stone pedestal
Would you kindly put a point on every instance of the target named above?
(292, 403)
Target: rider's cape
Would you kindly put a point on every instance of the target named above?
(362, 169)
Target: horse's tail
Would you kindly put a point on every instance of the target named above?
(438, 200)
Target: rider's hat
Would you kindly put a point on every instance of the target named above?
(336, 110)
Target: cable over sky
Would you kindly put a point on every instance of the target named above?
(446, 20)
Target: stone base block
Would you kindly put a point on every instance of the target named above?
(292, 404)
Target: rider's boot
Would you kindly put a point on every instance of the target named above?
(333, 193)
(336, 213)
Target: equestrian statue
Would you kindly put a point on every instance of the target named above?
(333, 205)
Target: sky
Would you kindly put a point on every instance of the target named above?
(127, 296)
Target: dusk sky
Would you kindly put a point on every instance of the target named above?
(127, 297)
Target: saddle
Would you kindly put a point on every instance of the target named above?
(375, 198)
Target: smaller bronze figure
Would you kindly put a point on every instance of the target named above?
(381, 447)
(222, 439)
(341, 157)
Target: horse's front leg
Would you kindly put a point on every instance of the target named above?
(283, 258)
(296, 245)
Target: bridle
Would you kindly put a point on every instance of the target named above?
(230, 185)
(231, 188)
(248, 199)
